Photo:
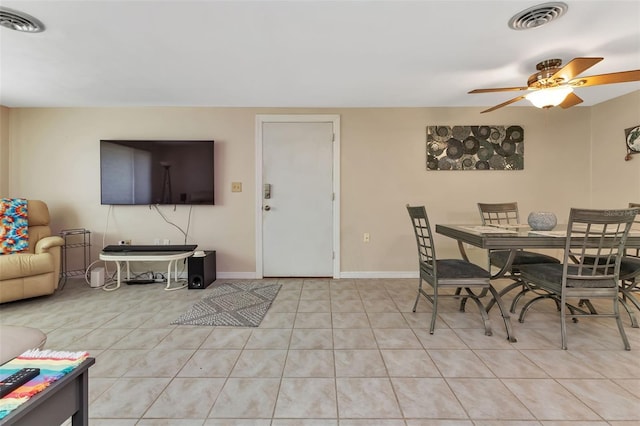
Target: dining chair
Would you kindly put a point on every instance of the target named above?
(508, 214)
(448, 274)
(629, 276)
(630, 273)
(596, 234)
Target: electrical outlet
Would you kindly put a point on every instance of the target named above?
(166, 242)
(236, 186)
(366, 237)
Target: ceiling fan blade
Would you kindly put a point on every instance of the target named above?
(614, 77)
(510, 101)
(575, 67)
(571, 100)
(499, 89)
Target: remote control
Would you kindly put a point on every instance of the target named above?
(16, 380)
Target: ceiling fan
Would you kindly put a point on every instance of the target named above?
(553, 85)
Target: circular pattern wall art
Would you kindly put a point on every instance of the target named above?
(475, 148)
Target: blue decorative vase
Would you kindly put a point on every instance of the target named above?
(542, 221)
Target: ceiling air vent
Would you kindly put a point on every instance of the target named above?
(537, 16)
(19, 21)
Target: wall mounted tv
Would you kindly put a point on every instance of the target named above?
(156, 172)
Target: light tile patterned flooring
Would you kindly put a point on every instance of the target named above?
(336, 352)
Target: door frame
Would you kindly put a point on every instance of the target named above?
(299, 118)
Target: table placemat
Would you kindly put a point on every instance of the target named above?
(52, 364)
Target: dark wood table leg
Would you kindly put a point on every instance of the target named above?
(81, 417)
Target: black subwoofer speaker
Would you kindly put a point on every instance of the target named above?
(202, 270)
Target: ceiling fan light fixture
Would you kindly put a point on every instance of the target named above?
(547, 98)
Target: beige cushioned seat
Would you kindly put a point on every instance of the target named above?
(15, 340)
(34, 272)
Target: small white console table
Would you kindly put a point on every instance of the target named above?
(147, 256)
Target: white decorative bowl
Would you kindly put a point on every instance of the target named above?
(542, 221)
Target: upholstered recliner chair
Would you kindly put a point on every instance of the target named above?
(34, 272)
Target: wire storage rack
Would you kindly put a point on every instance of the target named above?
(77, 238)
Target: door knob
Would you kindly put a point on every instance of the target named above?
(267, 208)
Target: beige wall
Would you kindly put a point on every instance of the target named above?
(615, 182)
(4, 151)
(56, 156)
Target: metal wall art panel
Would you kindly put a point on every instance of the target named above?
(475, 147)
(632, 138)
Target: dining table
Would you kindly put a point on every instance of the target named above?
(513, 238)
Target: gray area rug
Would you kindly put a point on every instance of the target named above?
(240, 304)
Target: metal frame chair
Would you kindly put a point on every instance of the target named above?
(629, 276)
(598, 235)
(508, 214)
(449, 274)
(629, 273)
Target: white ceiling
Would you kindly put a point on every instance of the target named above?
(301, 53)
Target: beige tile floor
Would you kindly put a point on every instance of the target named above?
(336, 352)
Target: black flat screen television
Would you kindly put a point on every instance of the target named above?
(134, 172)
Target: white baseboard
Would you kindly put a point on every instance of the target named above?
(345, 275)
(350, 274)
(219, 275)
(236, 275)
(379, 274)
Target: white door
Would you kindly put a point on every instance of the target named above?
(297, 198)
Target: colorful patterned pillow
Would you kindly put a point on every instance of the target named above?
(14, 225)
